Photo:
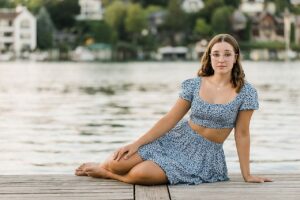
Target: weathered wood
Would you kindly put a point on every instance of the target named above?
(66, 187)
(151, 192)
(58, 187)
(285, 186)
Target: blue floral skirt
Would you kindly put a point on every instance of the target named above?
(186, 157)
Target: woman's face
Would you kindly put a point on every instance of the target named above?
(222, 57)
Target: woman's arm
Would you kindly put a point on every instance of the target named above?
(165, 124)
(242, 139)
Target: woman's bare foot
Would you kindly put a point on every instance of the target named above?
(80, 171)
(96, 171)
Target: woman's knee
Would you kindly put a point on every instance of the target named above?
(123, 166)
(148, 173)
(116, 167)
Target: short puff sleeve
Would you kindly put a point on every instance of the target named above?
(187, 90)
(250, 101)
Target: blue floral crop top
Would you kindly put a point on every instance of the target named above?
(217, 115)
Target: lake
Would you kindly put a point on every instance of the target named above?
(54, 116)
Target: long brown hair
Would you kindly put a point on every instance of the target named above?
(237, 73)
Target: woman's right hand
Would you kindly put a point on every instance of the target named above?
(125, 151)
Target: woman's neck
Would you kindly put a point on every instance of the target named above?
(220, 80)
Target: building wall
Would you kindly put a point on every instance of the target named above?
(6, 34)
(25, 32)
(90, 9)
(252, 7)
(19, 32)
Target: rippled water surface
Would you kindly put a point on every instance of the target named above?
(53, 116)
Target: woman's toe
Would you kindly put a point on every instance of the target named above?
(80, 173)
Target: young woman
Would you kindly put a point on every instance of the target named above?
(191, 151)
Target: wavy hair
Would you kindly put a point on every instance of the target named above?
(237, 73)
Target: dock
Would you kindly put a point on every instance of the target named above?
(67, 187)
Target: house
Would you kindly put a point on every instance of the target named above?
(295, 2)
(252, 6)
(172, 53)
(93, 52)
(239, 21)
(90, 10)
(17, 30)
(192, 6)
(267, 27)
(156, 19)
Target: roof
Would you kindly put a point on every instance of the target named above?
(9, 15)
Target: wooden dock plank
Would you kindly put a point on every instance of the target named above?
(285, 186)
(151, 192)
(66, 187)
(58, 187)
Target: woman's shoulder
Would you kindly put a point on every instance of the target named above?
(249, 93)
(249, 88)
(191, 81)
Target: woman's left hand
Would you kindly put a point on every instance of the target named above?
(257, 179)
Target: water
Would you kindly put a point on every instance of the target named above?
(53, 116)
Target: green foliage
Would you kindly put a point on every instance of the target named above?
(202, 28)
(152, 9)
(210, 7)
(176, 18)
(99, 31)
(292, 36)
(146, 3)
(35, 5)
(115, 14)
(135, 20)
(262, 45)
(295, 10)
(45, 29)
(246, 33)
(233, 3)
(6, 4)
(213, 4)
(281, 5)
(32, 5)
(295, 47)
(221, 22)
(63, 13)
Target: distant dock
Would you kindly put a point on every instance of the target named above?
(67, 187)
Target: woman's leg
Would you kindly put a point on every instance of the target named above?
(144, 173)
(117, 167)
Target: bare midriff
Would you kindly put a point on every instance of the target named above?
(211, 134)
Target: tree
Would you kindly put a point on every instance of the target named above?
(135, 20)
(233, 3)
(45, 29)
(281, 5)
(63, 13)
(175, 19)
(152, 9)
(32, 5)
(221, 19)
(114, 16)
(146, 3)
(5, 4)
(98, 31)
(202, 29)
(175, 22)
(210, 7)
